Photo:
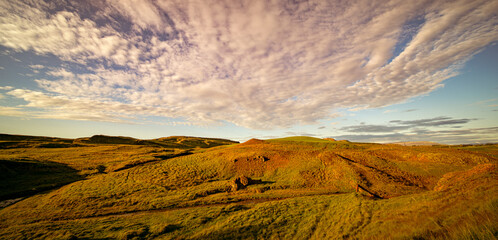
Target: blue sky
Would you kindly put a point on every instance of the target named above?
(364, 71)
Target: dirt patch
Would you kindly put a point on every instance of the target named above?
(9, 202)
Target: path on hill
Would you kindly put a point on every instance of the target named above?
(239, 202)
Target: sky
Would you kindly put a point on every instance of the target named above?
(366, 71)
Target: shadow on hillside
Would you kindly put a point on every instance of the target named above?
(23, 177)
(168, 156)
(156, 158)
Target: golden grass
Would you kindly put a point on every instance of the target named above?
(307, 191)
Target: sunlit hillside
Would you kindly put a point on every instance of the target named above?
(288, 188)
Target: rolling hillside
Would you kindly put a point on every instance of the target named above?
(31, 164)
(290, 188)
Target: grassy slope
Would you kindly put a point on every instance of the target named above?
(297, 198)
(30, 164)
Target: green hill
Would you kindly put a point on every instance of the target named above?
(291, 188)
(31, 164)
(180, 142)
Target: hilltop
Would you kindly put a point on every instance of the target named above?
(288, 188)
(170, 142)
(419, 143)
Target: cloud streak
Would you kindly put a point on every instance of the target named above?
(418, 125)
(432, 122)
(439, 129)
(257, 64)
(471, 135)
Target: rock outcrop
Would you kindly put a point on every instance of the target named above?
(242, 182)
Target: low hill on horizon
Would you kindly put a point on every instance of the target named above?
(417, 143)
(10, 140)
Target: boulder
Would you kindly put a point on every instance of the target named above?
(242, 182)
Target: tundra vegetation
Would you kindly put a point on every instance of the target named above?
(199, 188)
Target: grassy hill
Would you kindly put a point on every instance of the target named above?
(419, 143)
(290, 188)
(297, 139)
(30, 164)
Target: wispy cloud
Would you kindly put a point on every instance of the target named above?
(413, 125)
(12, 112)
(373, 128)
(257, 64)
(432, 122)
(37, 66)
(472, 135)
(439, 129)
(485, 101)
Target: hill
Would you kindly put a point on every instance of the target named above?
(171, 142)
(291, 188)
(32, 164)
(419, 143)
(298, 139)
(11, 137)
(103, 139)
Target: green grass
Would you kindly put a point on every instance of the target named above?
(29, 165)
(315, 217)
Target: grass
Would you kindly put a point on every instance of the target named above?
(307, 191)
(29, 165)
(313, 217)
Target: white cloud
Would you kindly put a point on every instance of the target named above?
(37, 66)
(143, 13)
(258, 64)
